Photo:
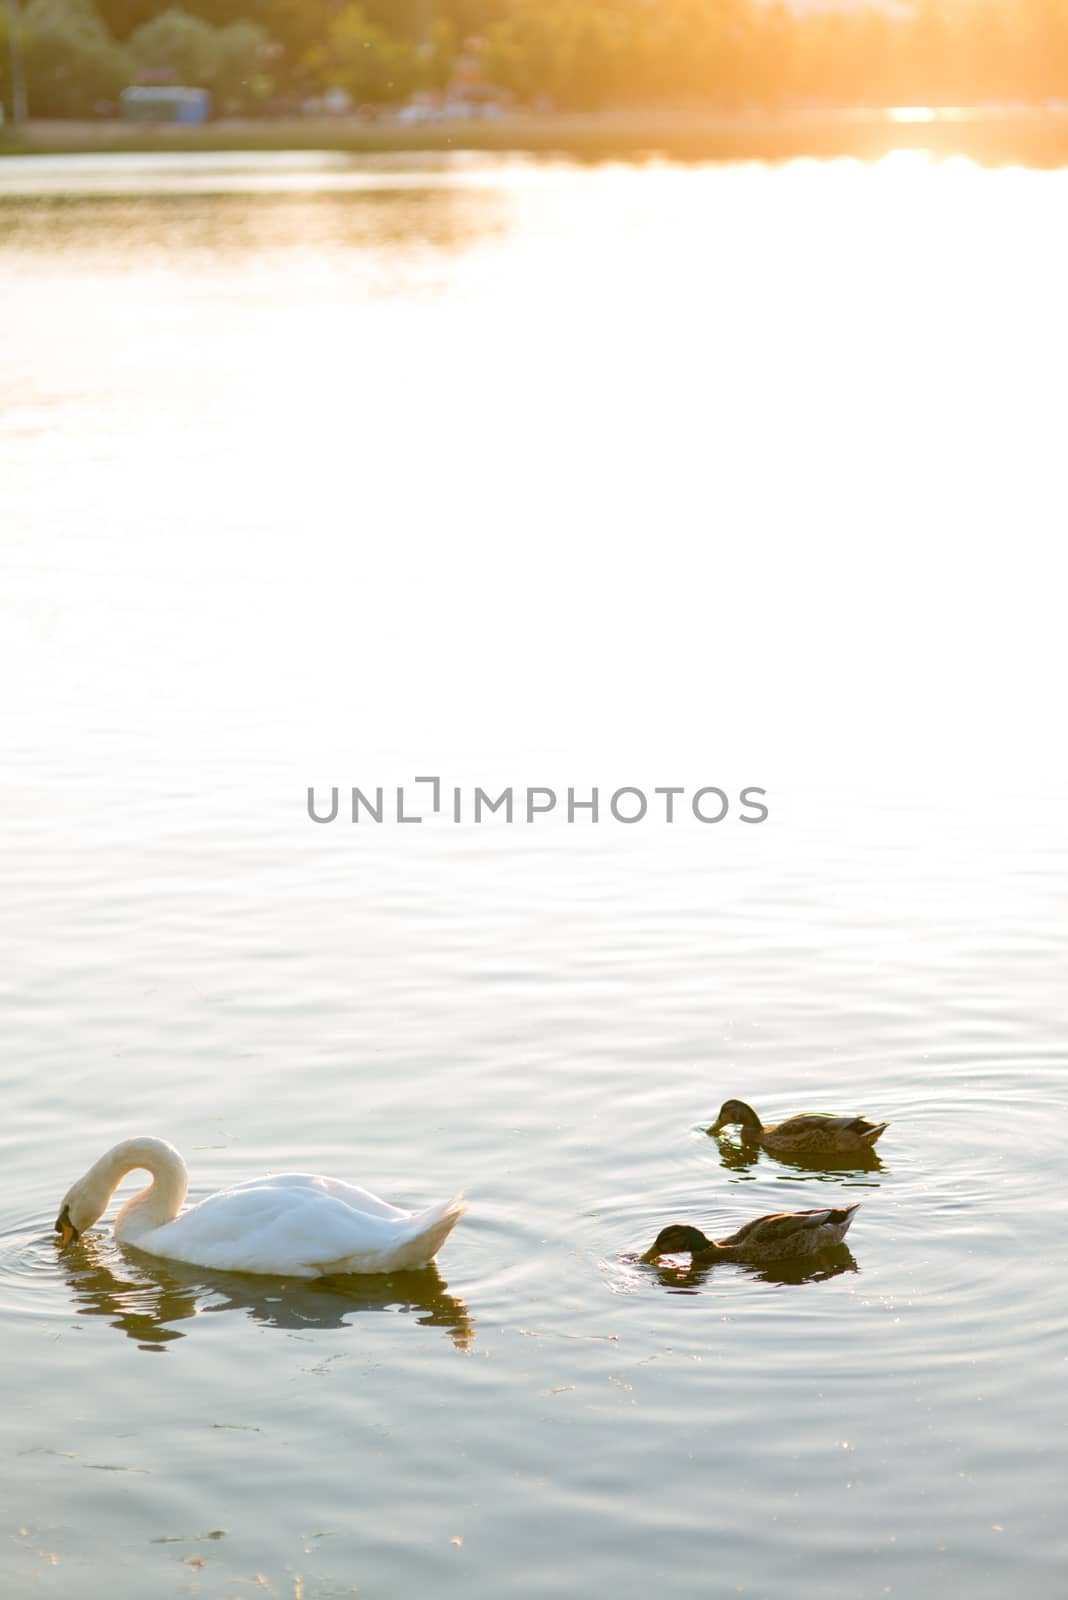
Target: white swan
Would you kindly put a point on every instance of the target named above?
(293, 1225)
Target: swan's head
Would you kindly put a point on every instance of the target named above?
(677, 1240)
(83, 1204)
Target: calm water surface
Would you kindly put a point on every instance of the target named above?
(327, 473)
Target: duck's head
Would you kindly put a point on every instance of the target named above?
(735, 1113)
(677, 1240)
(83, 1204)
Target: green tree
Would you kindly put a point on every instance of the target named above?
(364, 60)
(230, 61)
(241, 76)
(72, 62)
(579, 53)
(699, 47)
(176, 47)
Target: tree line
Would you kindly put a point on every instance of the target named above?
(263, 56)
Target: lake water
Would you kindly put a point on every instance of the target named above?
(530, 474)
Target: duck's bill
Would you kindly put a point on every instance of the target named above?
(717, 1127)
(650, 1257)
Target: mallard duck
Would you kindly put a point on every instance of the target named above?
(810, 1133)
(781, 1237)
(294, 1224)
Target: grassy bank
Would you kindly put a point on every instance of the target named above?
(990, 137)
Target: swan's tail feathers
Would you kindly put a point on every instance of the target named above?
(873, 1134)
(430, 1229)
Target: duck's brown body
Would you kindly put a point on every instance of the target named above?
(784, 1236)
(812, 1133)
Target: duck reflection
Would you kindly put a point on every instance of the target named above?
(828, 1263)
(744, 1157)
(147, 1298)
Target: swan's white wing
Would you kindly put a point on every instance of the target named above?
(300, 1225)
(277, 1230)
(351, 1193)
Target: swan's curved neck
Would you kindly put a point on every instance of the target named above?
(160, 1202)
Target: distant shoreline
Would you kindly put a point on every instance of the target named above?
(989, 136)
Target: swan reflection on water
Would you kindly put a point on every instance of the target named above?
(145, 1297)
(829, 1263)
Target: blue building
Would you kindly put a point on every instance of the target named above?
(165, 103)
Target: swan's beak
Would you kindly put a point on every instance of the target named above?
(66, 1229)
